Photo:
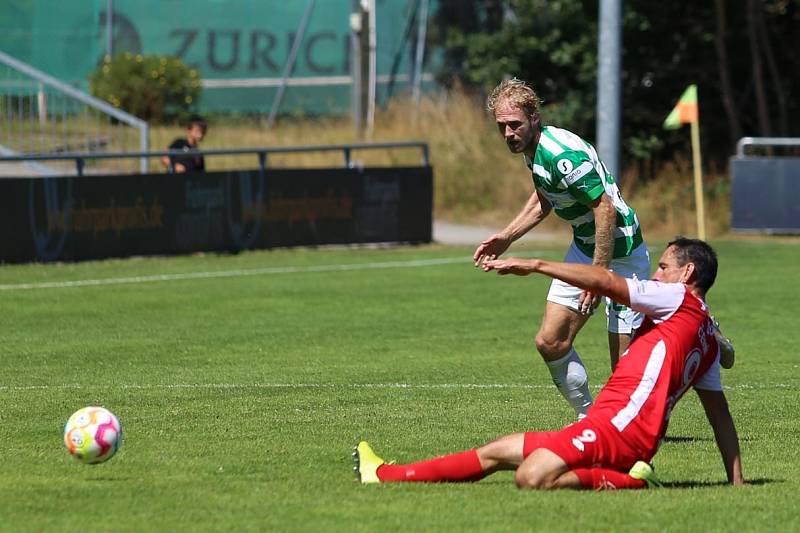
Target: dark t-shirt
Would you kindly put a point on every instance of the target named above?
(193, 163)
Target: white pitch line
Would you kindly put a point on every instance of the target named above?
(333, 386)
(234, 273)
(163, 386)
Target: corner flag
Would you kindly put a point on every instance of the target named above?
(685, 112)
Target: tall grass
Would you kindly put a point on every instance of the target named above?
(476, 179)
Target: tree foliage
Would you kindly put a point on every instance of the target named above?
(741, 53)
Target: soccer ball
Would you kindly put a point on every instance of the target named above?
(92, 435)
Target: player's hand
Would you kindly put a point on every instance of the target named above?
(491, 248)
(588, 302)
(512, 265)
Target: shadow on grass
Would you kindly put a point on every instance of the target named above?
(686, 439)
(681, 438)
(708, 484)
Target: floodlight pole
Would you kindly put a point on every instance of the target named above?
(373, 67)
(363, 65)
(356, 86)
(608, 84)
(419, 56)
(109, 29)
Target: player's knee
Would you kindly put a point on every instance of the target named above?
(531, 478)
(551, 347)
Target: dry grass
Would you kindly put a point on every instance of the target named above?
(666, 204)
(476, 179)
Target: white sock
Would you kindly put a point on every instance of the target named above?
(570, 377)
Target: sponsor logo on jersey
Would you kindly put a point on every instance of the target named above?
(578, 173)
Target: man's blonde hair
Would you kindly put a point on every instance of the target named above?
(515, 93)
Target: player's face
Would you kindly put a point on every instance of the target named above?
(515, 127)
(668, 270)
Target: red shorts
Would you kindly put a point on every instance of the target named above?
(585, 444)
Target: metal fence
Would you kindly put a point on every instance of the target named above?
(77, 162)
(43, 116)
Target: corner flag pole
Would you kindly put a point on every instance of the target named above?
(686, 112)
(698, 181)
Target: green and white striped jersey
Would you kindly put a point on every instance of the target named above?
(569, 174)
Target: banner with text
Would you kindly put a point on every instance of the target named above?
(95, 217)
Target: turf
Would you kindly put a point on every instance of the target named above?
(241, 395)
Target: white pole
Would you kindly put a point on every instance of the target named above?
(422, 30)
(42, 101)
(609, 85)
(373, 63)
(109, 28)
(356, 27)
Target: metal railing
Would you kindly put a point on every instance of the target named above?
(42, 114)
(745, 142)
(262, 154)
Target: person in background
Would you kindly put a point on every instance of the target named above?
(196, 129)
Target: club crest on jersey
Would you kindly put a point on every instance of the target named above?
(564, 166)
(690, 367)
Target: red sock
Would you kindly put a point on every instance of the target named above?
(603, 479)
(464, 466)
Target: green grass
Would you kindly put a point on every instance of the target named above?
(241, 397)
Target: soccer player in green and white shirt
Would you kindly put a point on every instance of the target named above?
(570, 179)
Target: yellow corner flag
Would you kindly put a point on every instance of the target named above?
(685, 111)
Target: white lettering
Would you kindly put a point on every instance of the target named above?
(578, 173)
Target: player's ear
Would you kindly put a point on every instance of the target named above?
(689, 274)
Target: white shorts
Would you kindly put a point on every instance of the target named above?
(621, 319)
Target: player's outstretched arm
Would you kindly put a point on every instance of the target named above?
(592, 278)
(534, 211)
(719, 416)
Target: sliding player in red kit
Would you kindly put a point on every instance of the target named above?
(675, 349)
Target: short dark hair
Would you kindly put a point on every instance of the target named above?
(196, 120)
(701, 254)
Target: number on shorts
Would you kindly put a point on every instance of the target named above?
(587, 436)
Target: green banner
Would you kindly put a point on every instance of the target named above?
(240, 46)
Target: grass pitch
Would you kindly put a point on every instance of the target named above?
(242, 383)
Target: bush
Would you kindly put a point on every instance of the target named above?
(151, 87)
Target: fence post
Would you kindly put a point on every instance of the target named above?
(41, 100)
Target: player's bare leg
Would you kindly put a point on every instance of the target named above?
(617, 344)
(554, 340)
(543, 469)
(504, 453)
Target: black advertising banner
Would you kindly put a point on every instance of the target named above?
(94, 217)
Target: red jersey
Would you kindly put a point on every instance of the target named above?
(673, 350)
